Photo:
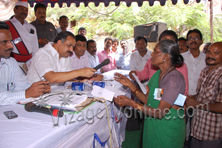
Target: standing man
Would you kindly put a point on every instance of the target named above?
(52, 62)
(206, 128)
(79, 59)
(194, 59)
(46, 31)
(14, 86)
(115, 50)
(63, 23)
(82, 31)
(206, 46)
(140, 57)
(23, 34)
(106, 53)
(182, 42)
(124, 57)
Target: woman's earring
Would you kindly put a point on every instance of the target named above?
(164, 61)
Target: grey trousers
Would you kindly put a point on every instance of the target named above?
(206, 144)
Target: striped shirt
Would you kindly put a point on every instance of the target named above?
(13, 82)
(207, 126)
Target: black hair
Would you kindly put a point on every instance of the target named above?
(194, 31)
(90, 41)
(63, 16)
(172, 48)
(81, 28)
(139, 38)
(182, 39)
(123, 40)
(116, 40)
(39, 5)
(80, 38)
(108, 38)
(3, 25)
(169, 33)
(63, 35)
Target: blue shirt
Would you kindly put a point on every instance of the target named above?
(13, 82)
(124, 61)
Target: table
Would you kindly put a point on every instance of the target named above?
(35, 130)
(32, 129)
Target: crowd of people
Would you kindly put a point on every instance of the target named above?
(36, 56)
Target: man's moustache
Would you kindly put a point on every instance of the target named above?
(69, 52)
(194, 43)
(42, 17)
(24, 14)
(10, 49)
(209, 58)
(94, 51)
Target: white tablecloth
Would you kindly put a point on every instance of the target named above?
(32, 129)
(35, 130)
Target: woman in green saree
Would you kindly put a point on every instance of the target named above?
(164, 125)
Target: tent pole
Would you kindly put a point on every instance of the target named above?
(211, 21)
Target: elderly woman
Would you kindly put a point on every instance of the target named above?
(164, 125)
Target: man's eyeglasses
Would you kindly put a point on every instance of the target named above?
(4, 42)
(194, 39)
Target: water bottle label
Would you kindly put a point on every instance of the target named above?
(78, 86)
(98, 83)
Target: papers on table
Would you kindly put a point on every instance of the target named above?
(110, 74)
(140, 84)
(103, 93)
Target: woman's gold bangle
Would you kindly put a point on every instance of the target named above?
(138, 106)
(136, 91)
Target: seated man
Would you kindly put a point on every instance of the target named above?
(124, 57)
(79, 59)
(91, 53)
(14, 86)
(149, 69)
(52, 62)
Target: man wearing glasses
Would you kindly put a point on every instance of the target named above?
(23, 34)
(14, 86)
(194, 58)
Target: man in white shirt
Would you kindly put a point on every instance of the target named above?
(115, 49)
(79, 59)
(52, 62)
(194, 59)
(140, 57)
(63, 23)
(14, 86)
(82, 31)
(91, 53)
(124, 57)
(23, 34)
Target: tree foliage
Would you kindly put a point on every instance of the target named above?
(119, 22)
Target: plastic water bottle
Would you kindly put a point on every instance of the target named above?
(86, 86)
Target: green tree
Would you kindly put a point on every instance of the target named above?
(120, 21)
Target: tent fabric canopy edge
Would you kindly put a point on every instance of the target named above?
(96, 2)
